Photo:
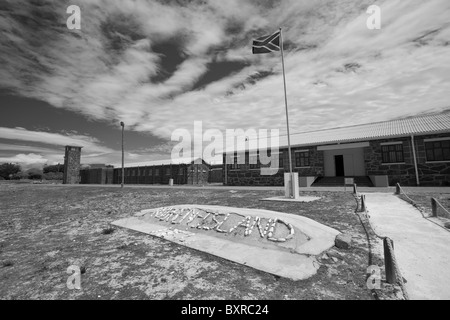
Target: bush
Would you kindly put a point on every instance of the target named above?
(55, 168)
(53, 176)
(8, 169)
(34, 174)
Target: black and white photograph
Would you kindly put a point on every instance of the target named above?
(233, 157)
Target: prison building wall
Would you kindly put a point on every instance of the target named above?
(411, 151)
(97, 176)
(181, 173)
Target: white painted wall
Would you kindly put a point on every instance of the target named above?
(353, 162)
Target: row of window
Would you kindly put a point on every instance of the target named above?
(391, 153)
(301, 160)
(434, 151)
(147, 172)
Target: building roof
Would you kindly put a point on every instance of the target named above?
(419, 125)
(159, 162)
(424, 124)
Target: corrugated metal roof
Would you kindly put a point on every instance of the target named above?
(424, 124)
(157, 162)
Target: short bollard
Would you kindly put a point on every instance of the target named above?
(397, 188)
(433, 207)
(391, 276)
(354, 189)
(363, 203)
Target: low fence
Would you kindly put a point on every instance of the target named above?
(437, 209)
(392, 270)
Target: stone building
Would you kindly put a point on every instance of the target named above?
(182, 171)
(97, 174)
(72, 166)
(412, 151)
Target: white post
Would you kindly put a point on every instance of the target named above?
(123, 170)
(415, 160)
(287, 121)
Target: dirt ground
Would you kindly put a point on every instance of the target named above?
(44, 229)
(423, 202)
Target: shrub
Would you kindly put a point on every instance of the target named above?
(8, 169)
(53, 176)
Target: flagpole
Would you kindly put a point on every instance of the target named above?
(287, 119)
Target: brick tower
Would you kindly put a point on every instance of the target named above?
(72, 159)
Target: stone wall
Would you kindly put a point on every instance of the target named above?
(198, 174)
(430, 174)
(180, 173)
(96, 176)
(244, 176)
(72, 158)
(147, 174)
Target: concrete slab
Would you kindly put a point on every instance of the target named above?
(421, 247)
(286, 256)
(299, 199)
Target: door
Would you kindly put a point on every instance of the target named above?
(339, 165)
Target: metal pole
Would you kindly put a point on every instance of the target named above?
(415, 160)
(287, 117)
(225, 164)
(123, 162)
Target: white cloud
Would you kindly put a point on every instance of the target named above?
(26, 161)
(397, 76)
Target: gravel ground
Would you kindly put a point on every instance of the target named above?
(45, 229)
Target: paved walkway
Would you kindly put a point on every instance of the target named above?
(421, 247)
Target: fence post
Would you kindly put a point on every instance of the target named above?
(397, 188)
(391, 276)
(354, 189)
(363, 203)
(433, 207)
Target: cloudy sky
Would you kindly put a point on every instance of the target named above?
(161, 65)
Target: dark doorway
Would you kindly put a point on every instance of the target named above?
(339, 164)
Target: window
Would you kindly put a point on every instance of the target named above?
(253, 161)
(392, 153)
(301, 159)
(438, 150)
(156, 172)
(180, 172)
(235, 164)
(278, 156)
(167, 171)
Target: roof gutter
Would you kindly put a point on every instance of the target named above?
(415, 160)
